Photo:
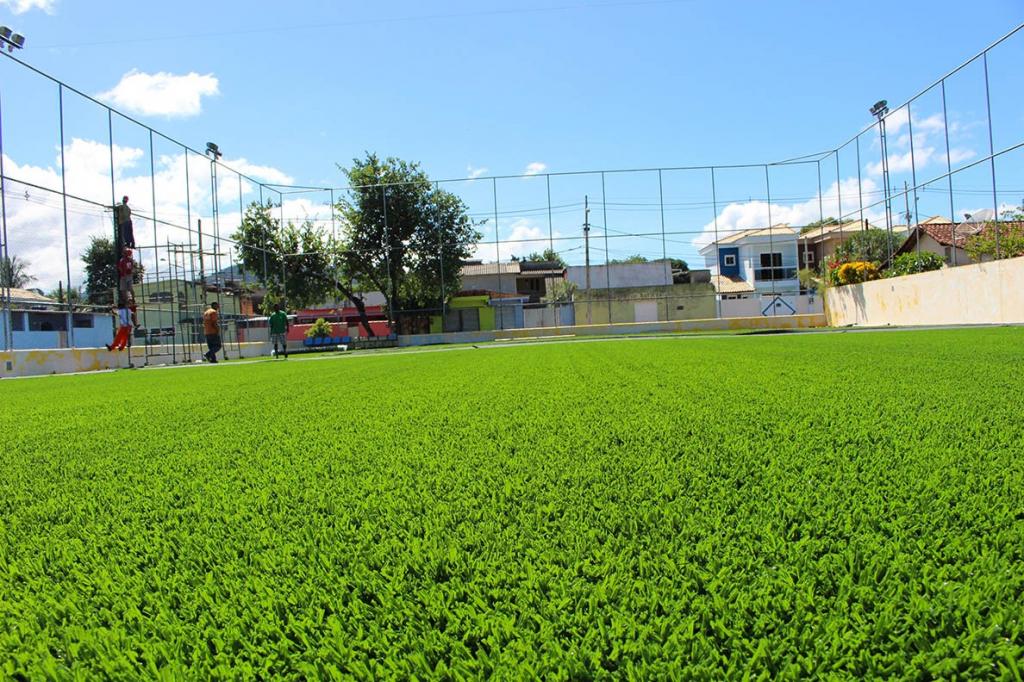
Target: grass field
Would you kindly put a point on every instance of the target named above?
(784, 506)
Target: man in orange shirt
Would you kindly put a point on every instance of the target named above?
(211, 327)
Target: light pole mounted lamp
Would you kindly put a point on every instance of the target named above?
(11, 40)
(879, 111)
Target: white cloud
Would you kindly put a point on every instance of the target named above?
(474, 173)
(737, 217)
(35, 218)
(162, 94)
(927, 139)
(535, 168)
(268, 174)
(522, 238)
(22, 6)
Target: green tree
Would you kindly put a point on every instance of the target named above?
(100, 259)
(824, 222)
(403, 236)
(63, 295)
(561, 291)
(637, 258)
(548, 255)
(297, 264)
(873, 246)
(985, 246)
(14, 272)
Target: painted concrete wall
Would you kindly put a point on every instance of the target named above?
(675, 302)
(97, 336)
(553, 315)
(755, 305)
(620, 275)
(505, 284)
(982, 293)
(25, 363)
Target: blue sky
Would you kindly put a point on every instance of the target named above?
(290, 89)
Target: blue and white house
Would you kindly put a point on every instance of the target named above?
(754, 273)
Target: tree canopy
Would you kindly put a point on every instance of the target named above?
(100, 261)
(401, 235)
(873, 246)
(548, 255)
(14, 272)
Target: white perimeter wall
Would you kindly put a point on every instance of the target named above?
(983, 293)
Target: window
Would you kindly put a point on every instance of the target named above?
(771, 268)
(47, 322)
(83, 321)
(160, 297)
(17, 321)
(729, 260)
(949, 254)
(808, 258)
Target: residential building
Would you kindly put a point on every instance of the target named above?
(532, 279)
(817, 244)
(622, 275)
(38, 322)
(941, 236)
(762, 260)
(754, 273)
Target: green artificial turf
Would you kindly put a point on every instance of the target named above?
(847, 505)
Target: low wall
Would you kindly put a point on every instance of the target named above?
(710, 324)
(26, 363)
(982, 293)
(448, 337)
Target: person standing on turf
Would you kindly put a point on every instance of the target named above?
(278, 328)
(123, 218)
(211, 327)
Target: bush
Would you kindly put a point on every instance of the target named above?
(319, 329)
(856, 272)
(873, 246)
(982, 246)
(912, 263)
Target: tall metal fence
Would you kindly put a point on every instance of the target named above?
(936, 173)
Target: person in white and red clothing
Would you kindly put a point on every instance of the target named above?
(125, 274)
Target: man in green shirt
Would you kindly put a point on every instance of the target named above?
(278, 328)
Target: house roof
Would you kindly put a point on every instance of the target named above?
(781, 231)
(480, 269)
(950, 234)
(29, 296)
(730, 285)
(824, 232)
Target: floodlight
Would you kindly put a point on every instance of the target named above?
(881, 108)
(18, 41)
(213, 150)
(5, 33)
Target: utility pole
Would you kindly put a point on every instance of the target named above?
(586, 251)
(908, 214)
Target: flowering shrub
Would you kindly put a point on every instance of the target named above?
(856, 272)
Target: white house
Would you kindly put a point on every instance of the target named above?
(754, 273)
(622, 275)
